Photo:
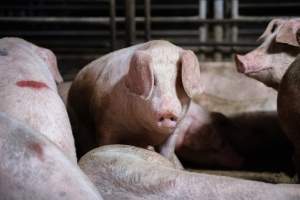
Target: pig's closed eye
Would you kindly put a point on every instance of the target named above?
(155, 81)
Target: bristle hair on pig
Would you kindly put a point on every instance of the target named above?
(135, 95)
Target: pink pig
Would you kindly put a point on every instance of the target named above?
(28, 76)
(135, 95)
(268, 62)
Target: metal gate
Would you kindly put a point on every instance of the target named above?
(81, 30)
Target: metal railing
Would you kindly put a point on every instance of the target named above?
(215, 29)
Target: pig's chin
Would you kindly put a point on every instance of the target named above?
(169, 124)
(165, 128)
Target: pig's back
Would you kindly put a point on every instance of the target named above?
(28, 93)
(98, 78)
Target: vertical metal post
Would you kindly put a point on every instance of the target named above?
(218, 29)
(202, 9)
(234, 15)
(147, 20)
(113, 30)
(130, 21)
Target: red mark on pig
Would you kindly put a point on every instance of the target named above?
(38, 149)
(32, 84)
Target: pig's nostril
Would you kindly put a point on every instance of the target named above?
(173, 119)
(167, 116)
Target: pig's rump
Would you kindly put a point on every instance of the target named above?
(32, 167)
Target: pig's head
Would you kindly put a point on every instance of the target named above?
(162, 82)
(270, 60)
(50, 59)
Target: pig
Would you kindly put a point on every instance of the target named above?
(28, 91)
(201, 142)
(271, 59)
(289, 108)
(249, 123)
(33, 167)
(128, 172)
(252, 141)
(136, 95)
(63, 90)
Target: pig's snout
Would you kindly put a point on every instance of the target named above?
(240, 64)
(167, 120)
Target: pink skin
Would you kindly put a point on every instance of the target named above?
(33, 167)
(270, 60)
(137, 95)
(127, 172)
(28, 91)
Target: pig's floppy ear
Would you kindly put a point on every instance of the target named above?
(272, 26)
(140, 77)
(190, 73)
(49, 57)
(289, 33)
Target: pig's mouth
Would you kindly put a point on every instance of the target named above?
(167, 124)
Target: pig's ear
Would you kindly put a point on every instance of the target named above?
(140, 77)
(190, 73)
(49, 57)
(289, 33)
(271, 28)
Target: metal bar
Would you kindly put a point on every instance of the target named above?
(276, 4)
(197, 43)
(106, 33)
(218, 29)
(113, 30)
(57, 7)
(75, 20)
(234, 15)
(105, 20)
(173, 6)
(202, 9)
(130, 21)
(147, 20)
(59, 1)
